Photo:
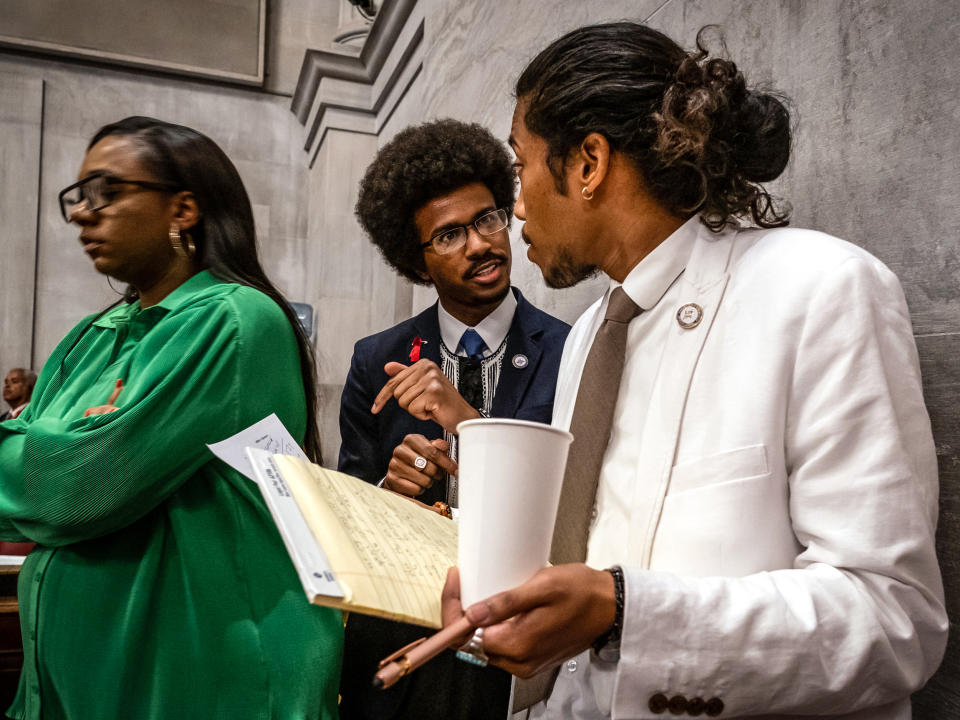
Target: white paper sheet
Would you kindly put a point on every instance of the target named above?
(250, 452)
(269, 434)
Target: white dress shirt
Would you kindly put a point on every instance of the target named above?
(493, 328)
(651, 285)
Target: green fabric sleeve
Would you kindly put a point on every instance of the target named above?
(193, 379)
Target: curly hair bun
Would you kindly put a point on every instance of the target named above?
(763, 147)
(710, 117)
(733, 137)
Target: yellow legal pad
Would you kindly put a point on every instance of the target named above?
(358, 547)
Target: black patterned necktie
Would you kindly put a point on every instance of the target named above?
(471, 381)
(471, 368)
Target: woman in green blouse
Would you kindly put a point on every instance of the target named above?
(160, 587)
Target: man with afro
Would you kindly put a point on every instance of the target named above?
(437, 201)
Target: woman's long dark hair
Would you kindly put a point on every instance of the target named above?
(224, 235)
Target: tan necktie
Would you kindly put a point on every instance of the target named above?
(591, 424)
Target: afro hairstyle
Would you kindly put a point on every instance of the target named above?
(419, 164)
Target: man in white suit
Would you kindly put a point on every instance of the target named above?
(747, 521)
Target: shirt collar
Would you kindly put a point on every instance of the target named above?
(650, 279)
(201, 281)
(493, 328)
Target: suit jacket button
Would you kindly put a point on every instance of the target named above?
(714, 707)
(658, 703)
(695, 706)
(677, 705)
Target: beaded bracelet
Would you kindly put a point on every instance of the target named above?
(611, 638)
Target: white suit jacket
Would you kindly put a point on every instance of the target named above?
(781, 556)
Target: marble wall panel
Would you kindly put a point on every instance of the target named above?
(208, 37)
(293, 26)
(347, 282)
(279, 196)
(21, 119)
(328, 421)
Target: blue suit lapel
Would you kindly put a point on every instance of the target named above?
(515, 376)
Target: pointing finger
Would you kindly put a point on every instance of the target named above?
(395, 371)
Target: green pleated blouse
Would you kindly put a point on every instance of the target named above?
(160, 587)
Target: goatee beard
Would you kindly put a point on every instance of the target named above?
(567, 272)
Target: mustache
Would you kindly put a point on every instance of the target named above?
(489, 257)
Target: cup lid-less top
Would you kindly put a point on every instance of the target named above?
(511, 421)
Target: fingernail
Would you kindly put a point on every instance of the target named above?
(478, 613)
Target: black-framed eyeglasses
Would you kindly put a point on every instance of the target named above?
(97, 191)
(452, 239)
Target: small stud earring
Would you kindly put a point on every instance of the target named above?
(586, 193)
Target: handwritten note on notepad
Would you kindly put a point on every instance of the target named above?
(355, 546)
(389, 556)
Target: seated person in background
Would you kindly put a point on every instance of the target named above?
(437, 201)
(17, 389)
(160, 587)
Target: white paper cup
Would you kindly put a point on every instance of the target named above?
(511, 472)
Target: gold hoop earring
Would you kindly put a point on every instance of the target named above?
(175, 242)
(586, 193)
(191, 246)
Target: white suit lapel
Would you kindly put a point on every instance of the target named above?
(703, 283)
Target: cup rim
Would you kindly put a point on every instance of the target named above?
(512, 421)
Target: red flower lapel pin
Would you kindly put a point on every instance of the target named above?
(415, 348)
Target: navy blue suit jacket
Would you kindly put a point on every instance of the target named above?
(445, 689)
(524, 393)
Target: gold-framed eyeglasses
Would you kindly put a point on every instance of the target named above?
(97, 191)
(452, 239)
